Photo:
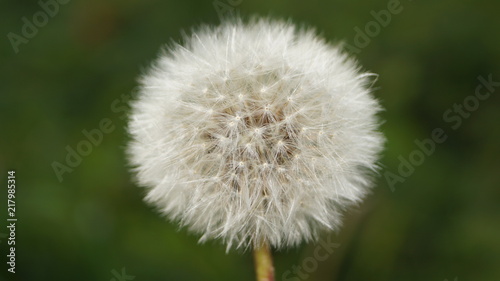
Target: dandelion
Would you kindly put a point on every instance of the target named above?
(255, 133)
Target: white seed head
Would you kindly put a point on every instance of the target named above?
(255, 132)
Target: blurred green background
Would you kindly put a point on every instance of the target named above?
(79, 68)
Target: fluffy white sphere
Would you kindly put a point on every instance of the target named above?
(254, 132)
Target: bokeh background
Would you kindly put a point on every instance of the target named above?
(442, 222)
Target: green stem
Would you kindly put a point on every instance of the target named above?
(263, 259)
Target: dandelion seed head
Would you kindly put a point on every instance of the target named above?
(232, 134)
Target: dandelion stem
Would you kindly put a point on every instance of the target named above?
(263, 259)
